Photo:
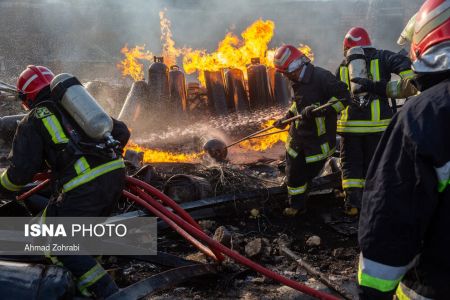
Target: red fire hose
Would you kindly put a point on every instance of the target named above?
(190, 230)
(171, 219)
(133, 182)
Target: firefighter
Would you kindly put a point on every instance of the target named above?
(85, 183)
(404, 223)
(313, 138)
(362, 124)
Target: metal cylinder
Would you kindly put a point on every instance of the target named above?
(357, 67)
(8, 126)
(235, 89)
(177, 87)
(158, 82)
(82, 107)
(258, 86)
(217, 101)
(279, 87)
(136, 103)
(35, 281)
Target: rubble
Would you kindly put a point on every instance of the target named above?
(223, 236)
(313, 241)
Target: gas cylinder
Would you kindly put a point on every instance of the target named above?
(82, 107)
(258, 86)
(217, 101)
(279, 87)
(177, 87)
(235, 90)
(135, 104)
(357, 67)
(158, 82)
(19, 280)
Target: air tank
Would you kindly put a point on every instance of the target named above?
(357, 67)
(177, 87)
(136, 104)
(236, 92)
(279, 87)
(217, 101)
(158, 82)
(82, 107)
(258, 86)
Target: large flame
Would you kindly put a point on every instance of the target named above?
(169, 51)
(232, 52)
(265, 142)
(157, 156)
(130, 65)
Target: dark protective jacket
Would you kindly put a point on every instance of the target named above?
(376, 115)
(404, 223)
(42, 142)
(316, 138)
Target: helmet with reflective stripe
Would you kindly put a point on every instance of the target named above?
(430, 46)
(287, 59)
(356, 37)
(31, 81)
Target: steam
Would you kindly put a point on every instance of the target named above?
(85, 37)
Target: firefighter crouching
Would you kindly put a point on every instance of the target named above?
(87, 181)
(404, 224)
(312, 139)
(367, 71)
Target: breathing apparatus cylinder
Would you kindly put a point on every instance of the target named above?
(357, 68)
(83, 108)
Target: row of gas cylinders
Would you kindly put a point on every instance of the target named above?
(227, 90)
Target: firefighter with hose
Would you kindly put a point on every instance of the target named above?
(367, 72)
(84, 156)
(312, 138)
(404, 221)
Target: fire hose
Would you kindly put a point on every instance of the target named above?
(184, 225)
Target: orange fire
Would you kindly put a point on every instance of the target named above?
(154, 156)
(130, 65)
(266, 142)
(232, 52)
(169, 51)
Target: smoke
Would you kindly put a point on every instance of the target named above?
(85, 37)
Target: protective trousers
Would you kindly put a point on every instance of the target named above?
(356, 153)
(299, 175)
(93, 199)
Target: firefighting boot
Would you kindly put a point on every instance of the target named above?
(352, 205)
(297, 206)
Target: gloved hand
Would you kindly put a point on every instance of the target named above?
(279, 124)
(307, 113)
(369, 86)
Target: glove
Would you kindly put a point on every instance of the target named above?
(279, 124)
(369, 86)
(308, 113)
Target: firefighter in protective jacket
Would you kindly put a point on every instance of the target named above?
(312, 139)
(404, 224)
(362, 124)
(85, 183)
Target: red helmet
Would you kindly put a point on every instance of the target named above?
(429, 53)
(31, 81)
(356, 37)
(287, 59)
